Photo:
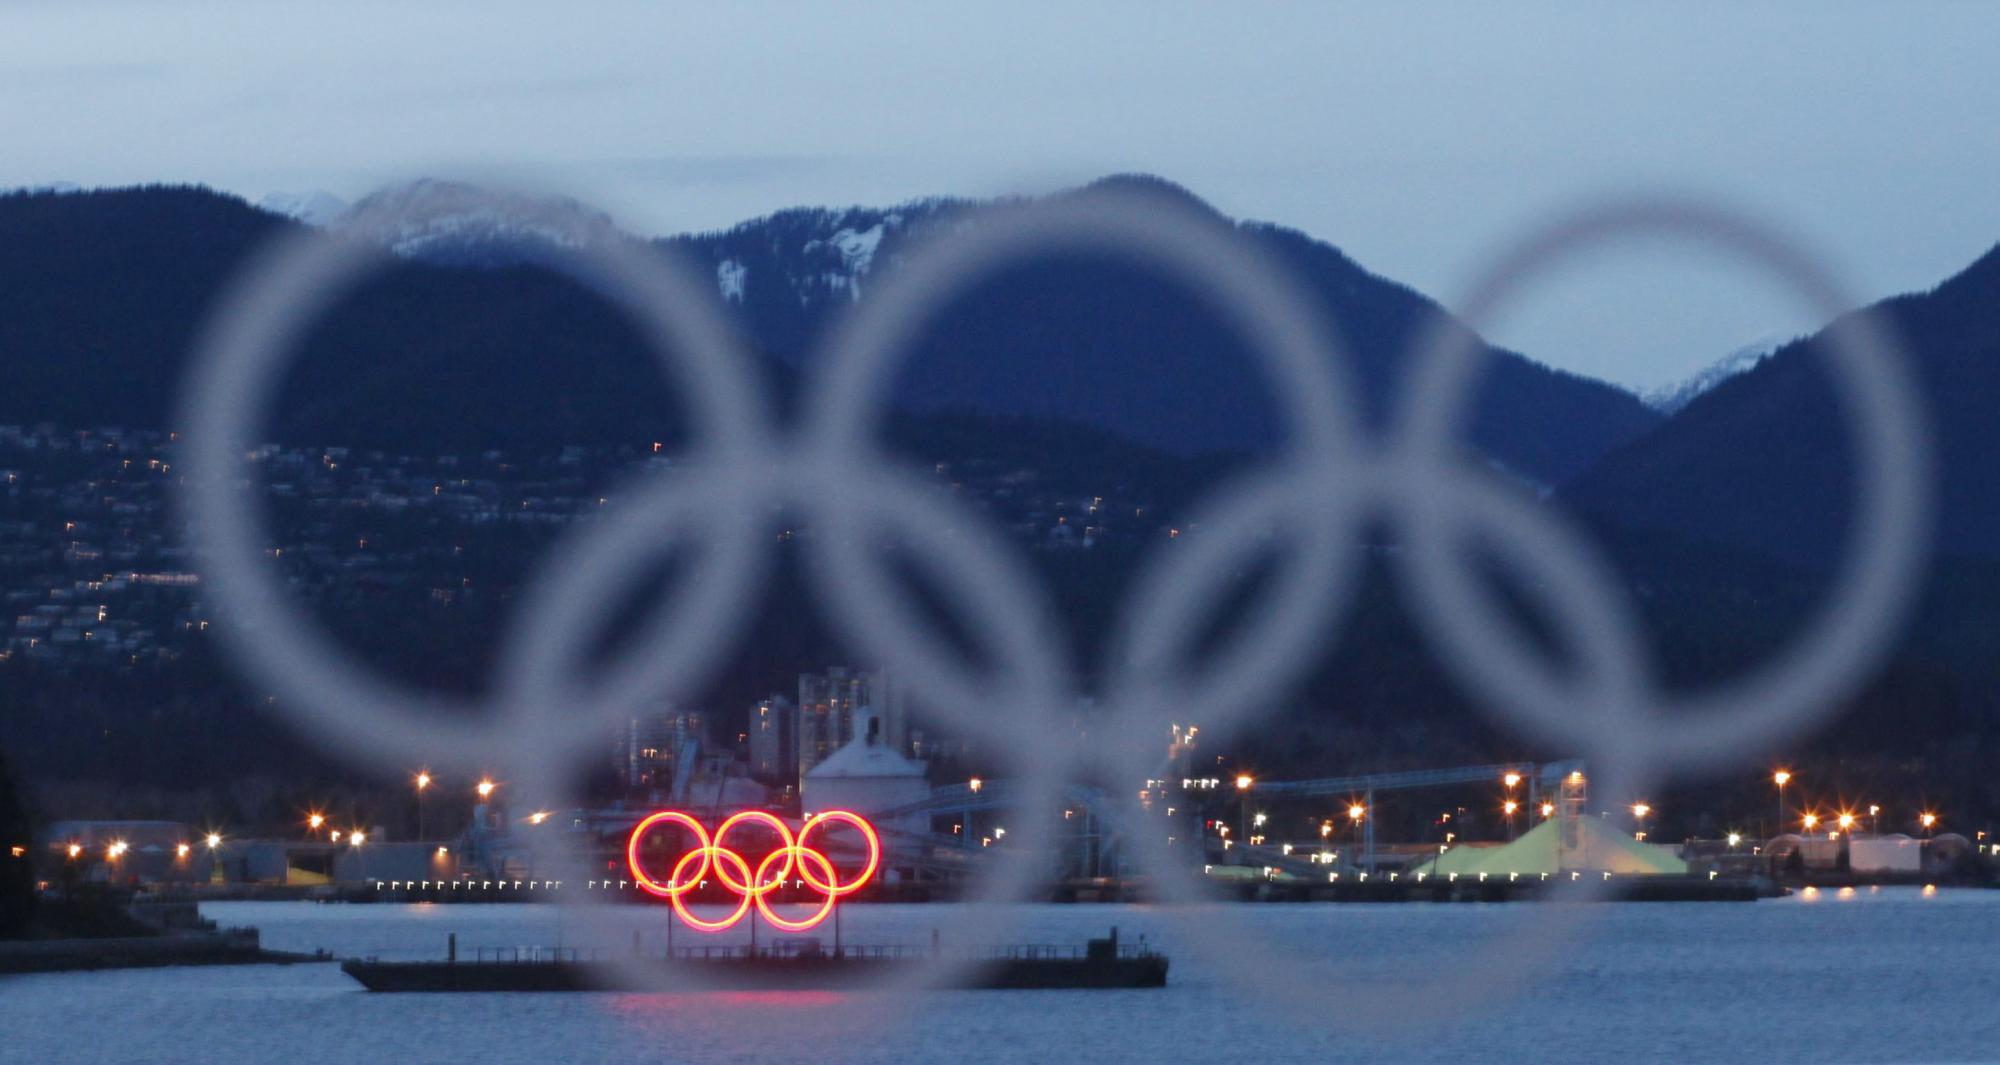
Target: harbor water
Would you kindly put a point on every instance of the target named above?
(1884, 975)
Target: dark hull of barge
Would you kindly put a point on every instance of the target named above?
(749, 974)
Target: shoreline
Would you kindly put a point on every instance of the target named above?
(232, 947)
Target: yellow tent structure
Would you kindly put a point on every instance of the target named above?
(296, 875)
(1596, 847)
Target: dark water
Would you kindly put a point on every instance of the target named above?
(1893, 975)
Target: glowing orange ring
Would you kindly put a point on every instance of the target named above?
(805, 858)
(722, 859)
(831, 887)
(669, 890)
(754, 884)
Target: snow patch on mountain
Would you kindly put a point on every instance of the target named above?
(1670, 399)
(857, 247)
(317, 207)
(445, 222)
(729, 278)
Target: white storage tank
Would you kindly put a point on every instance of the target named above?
(1885, 854)
(866, 776)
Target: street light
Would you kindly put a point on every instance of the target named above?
(1548, 809)
(1781, 778)
(1512, 780)
(1243, 782)
(315, 820)
(1928, 820)
(1811, 821)
(214, 840)
(423, 785)
(1508, 809)
(485, 789)
(1846, 822)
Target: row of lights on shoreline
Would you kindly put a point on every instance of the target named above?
(315, 822)
(117, 848)
(1810, 821)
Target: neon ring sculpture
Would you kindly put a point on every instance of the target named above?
(753, 885)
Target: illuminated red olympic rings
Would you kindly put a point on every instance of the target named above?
(753, 885)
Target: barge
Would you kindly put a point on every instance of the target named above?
(1099, 964)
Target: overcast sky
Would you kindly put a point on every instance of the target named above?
(1414, 140)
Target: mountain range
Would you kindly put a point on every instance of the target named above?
(1066, 337)
(105, 290)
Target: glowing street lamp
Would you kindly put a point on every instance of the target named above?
(1735, 838)
(1548, 809)
(1845, 821)
(423, 782)
(1928, 820)
(1512, 780)
(1810, 821)
(1356, 812)
(1507, 808)
(355, 839)
(1640, 810)
(975, 784)
(315, 821)
(1781, 778)
(214, 840)
(1243, 782)
(485, 789)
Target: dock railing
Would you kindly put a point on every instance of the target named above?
(786, 949)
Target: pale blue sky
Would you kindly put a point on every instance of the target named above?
(1413, 138)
